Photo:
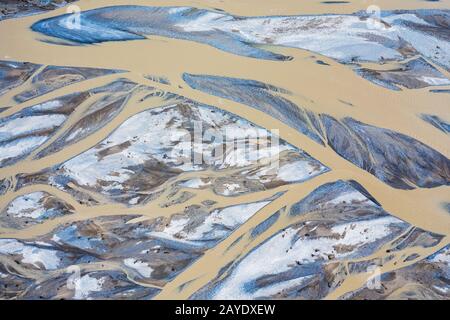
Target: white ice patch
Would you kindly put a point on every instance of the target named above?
(230, 217)
(28, 125)
(405, 17)
(442, 290)
(133, 201)
(56, 239)
(47, 106)
(430, 47)
(176, 225)
(282, 252)
(280, 286)
(85, 285)
(75, 134)
(141, 267)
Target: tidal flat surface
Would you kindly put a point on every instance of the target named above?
(336, 184)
